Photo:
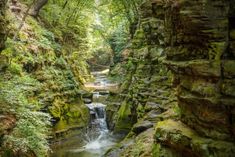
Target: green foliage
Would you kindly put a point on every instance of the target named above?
(69, 21)
(129, 65)
(177, 110)
(54, 50)
(114, 25)
(15, 68)
(118, 41)
(30, 133)
(31, 130)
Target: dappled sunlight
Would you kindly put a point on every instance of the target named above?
(117, 78)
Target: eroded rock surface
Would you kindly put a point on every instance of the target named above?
(195, 41)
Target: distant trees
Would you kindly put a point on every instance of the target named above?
(118, 21)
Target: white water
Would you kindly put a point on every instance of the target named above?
(96, 139)
(99, 125)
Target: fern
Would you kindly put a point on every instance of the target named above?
(32, 127)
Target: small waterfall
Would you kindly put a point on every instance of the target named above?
(96, 139)
(98, 117)
(97, 132)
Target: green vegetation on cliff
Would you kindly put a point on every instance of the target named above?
(173, 59)
(43, 68)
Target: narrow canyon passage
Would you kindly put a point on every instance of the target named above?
(117, 78)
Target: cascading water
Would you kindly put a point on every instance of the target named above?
(96, 139)
(98, 125)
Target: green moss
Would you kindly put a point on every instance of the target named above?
(71, 115)
(124, 111)
(217, 49)
(229, 68)
(156, 150)
(228, 87)
(61, 125)
(203, 88)
(124, 120)
(184, 139)
(55, 111)
(8, 153)
(15, 68)
(177, 110)
(3, 62)
(140, 111)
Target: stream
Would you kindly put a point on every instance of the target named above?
(97, 138)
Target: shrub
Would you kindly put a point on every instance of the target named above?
(32, 128)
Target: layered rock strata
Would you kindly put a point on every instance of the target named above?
(195, 41)
(200, 53)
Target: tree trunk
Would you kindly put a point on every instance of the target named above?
(3, 23)
(37, 7)
(23, 21)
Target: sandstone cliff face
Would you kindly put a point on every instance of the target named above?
(195, 40)
(200, 53)
(201, 56)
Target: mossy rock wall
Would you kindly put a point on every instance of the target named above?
(198, 36)
(205, 67)
(146, 95)
(146, 88)
(195, 41)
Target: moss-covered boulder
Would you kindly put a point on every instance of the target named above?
(182, 140)
(140, 146)
(70, 116)
(125, 118)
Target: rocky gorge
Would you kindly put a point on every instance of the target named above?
(175, 91)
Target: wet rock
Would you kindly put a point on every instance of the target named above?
(153, 116)
(195, 67)
(140, 146)
(103, 92)
(111, 111)
(141, 126)
(88, 95)
(118, 149)
(203, 68)
(87, 101)
(197, 40)
(70, 116)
